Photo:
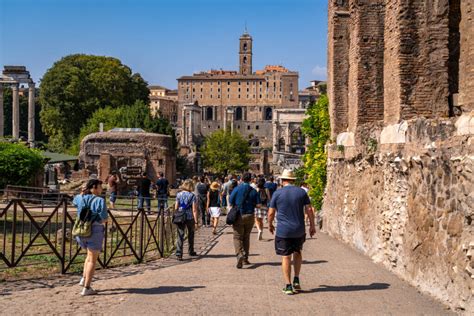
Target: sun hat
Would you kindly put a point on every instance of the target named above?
(288, 175)
(214, 186)
(187, 185)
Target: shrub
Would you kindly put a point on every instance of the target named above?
(18, 164)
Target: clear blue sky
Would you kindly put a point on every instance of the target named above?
(165, 39)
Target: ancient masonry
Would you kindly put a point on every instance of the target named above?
(104, 152)
(400, 166)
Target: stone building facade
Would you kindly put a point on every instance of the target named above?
(400, 168)
(242, 100)
(164, 102)
(104, 152)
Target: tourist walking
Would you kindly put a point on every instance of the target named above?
(271, 185)
(113, 181)
(201, 193)
(290, 204)
(162, 186)
(213, 205)
(186, 201)
(143, 188)
(246, 199)
(90, 199)
(261, 212)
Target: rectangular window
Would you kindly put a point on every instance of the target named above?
(228, 89)
(247, 83)
(248, 90)
(239, 96)
(160, 162)
(239, 83)
(219, 90)
(228, 83)
(239, 89)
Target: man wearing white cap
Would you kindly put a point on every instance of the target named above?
(290, 204)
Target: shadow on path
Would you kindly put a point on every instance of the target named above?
(349, 288)
(276, 264)
(151, 291)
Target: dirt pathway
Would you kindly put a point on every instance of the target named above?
(335, 279)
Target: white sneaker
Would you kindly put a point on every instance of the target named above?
(260, 235)
(81, 283)
(88, 291)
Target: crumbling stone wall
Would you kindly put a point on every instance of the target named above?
(410, 207)
(104, 152)
(401, 186)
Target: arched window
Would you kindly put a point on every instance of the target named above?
(297, 142)
(209, 113)
(268, 114)
(245, 59)
(281, 144)
(238, 114)
(245, 47)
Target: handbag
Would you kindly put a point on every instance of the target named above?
(179, 217)
(234, 212)
(83, 224)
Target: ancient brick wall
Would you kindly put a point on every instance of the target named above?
(338, 64)
(466, 62)
(401, 189)
(366, 58)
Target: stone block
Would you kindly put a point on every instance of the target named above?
(465, 124)
(345, 139)
(394, 134)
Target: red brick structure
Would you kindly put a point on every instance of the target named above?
(400, 186)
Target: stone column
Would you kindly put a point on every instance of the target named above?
(15, 112)
(1, 111)
(183, 124)
(31, 114)
(191, 129)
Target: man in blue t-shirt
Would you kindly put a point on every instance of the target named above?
(246, 199)
(290, 204)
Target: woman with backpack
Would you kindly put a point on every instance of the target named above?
(261, 212)
(90, 204)
(186, 202)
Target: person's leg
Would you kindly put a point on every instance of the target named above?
(248, 226)
(148, 204)
(297, 261)
(90, 268)
(190, 226)
(238, 237)
(179, 242)
(286, 268)
(140, 202)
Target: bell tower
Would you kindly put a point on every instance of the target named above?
(245, 54)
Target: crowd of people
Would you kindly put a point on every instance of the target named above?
(203, 200)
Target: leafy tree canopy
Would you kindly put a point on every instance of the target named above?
(224, 152)
(317, 127)
(137, 115)
(18, 164)
(76, 86)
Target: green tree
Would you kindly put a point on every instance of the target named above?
(76, 86)
(225, 152)
(136, 115)
(317, 127)
(18, 164)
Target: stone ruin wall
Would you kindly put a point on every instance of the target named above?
(400, 167)
(104, 152)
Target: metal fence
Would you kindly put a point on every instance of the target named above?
(36, 225)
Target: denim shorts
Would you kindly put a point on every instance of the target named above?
(113, 197)
(95, 241)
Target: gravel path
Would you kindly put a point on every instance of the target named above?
(336, 281)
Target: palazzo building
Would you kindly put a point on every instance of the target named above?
(243, 100)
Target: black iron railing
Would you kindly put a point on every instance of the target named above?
(35, 230)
